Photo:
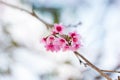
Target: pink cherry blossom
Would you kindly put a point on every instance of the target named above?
(66, 47)
(75, 47)
(62, 41)
(50, 38)
(58, 28)
(73, 34)
(75, 39)
(56, 42)
(50, 47)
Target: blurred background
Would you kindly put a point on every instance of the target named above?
(23, 57)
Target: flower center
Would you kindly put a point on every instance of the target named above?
(59, 28)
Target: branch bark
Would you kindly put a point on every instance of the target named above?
(112, 71)
(30, 13)
(93, 66)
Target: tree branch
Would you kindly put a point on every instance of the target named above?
(118, 77)
(112, 71)
(76, 53)
(93, 66)
(30, 13)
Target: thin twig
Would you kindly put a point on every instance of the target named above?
(112, 71)
(93, 66)
(31, 13)
(80, 61)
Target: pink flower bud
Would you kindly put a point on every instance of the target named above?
(44, 40)
(54, 32)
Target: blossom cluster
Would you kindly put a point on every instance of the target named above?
(57, 41)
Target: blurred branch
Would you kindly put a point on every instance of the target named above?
(31, 13)
(5, 72)
(112, 71)
(75, 25)
(118, 77)
(109, 72)
(54, 11)
(93, 66)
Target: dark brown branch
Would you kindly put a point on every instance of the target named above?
(31, 13)
(93, 66)
(118, 77)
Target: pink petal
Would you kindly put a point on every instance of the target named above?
(50, 47)
(54, 32)
(75, 39)
(50, 39)
(62, 41)
(44, 40)
(57, 48)
(66, 47)
(75, 47)
(73, 34)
